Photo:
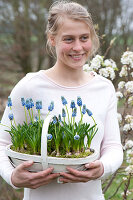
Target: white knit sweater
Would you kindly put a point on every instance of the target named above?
(99, 96)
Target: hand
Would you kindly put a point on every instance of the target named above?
(94, 171)
(21, 177)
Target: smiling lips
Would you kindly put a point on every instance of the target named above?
(76, 57)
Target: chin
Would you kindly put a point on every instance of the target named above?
(76, 67)
(79, 65)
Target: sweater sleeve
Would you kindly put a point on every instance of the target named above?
(111, 148)
(6, 168)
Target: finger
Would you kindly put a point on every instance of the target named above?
(67, 176)
(39, 185)
(43, 181)
(94, 164)
(75, 177)
(76, 172)
(25, 165)
(88, 174)
(48, 178)
(42, 174)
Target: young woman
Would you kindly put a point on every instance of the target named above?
(72, 38)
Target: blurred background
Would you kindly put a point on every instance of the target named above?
(23, 41)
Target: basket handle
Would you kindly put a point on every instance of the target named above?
(44, 156)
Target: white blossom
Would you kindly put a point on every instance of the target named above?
(131, 125)
(122, 193)
(121, 84)
(128, 152)
(132, 74)
(131, 161)
(128, 192)
(119, 117)
(86, 67)
(110, 63)
(119, 94)
(127, 58)
(130, 100)
(129, 144)
(107, 72)
(126, 127)
(123, 71)
(129, 118)
(96, 62)
(124, 178)
(104, 72)
(111, 72)
(129, 86)
(129, 169)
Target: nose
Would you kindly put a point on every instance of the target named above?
(77, 46)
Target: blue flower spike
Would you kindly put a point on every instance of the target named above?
(59, 118)
(9, 102)
(27, 104)
(51, 106)
(38, 105)
(49, 136)
(36, 118)
(54, 119)
(31, 103)
(89, 112)
(84, 109)
(63, 112)
(79, 101)
(64, 101)
(23, 101)
(76, 137)
(74, 113)
(11, 116)
(72, 105)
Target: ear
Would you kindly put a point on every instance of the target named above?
(51, 40)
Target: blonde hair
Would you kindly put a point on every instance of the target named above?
(71, 10)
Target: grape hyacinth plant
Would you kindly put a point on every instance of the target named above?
(26, 137)
(65, 138)
(68, 135)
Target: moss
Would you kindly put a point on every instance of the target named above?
(25, 151)
(80, 155)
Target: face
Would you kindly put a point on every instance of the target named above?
(72, 43)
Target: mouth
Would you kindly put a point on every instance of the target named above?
(76, 57)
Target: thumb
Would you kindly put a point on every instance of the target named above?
(92, 165)
(25, 165)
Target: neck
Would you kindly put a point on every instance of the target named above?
(67, 76)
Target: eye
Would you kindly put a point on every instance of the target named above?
(68, 39)
(84, 38)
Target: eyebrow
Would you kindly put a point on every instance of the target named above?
(65, 35)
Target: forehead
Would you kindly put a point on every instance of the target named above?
(73, 27)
